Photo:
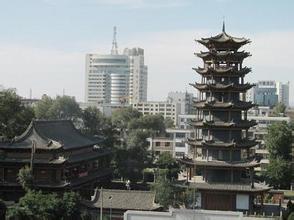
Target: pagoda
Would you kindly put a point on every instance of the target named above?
(220, 165)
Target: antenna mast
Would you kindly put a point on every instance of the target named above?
(114, 50)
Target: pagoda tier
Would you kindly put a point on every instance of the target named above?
(223, 42)
(219, 87)
(222, 164)
(219, 56)
(243, 143)
(223, 71)
(212, 105)
(242, 124)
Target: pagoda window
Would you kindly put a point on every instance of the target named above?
(236, 155)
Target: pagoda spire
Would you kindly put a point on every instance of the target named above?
(224, 26)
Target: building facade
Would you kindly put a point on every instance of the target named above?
(174, 142)
(185, 100)
(269, 93)
(138, 75)
(60, 156)
(166, 109)
(221, 166)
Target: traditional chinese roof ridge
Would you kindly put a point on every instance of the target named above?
(51, 134)
(124, 200)
(222, 71)
(223, 54)
(217, 163)
(239, 187)
(221, 124)
(220, 86)
(246, 143)
(223, 38)
(224, 105)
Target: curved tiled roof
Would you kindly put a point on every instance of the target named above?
(223, 105)
(124, 199)
(223, 71)
(223, 39)
(219, 86)
(223, 55)
(221, 124)
(239, 144)
(51, 134)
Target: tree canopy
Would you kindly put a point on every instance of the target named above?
(63, 107)
(167, 162)
(279, 109)
(14, 117)
(278, 140)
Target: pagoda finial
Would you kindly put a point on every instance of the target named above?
(224, 25)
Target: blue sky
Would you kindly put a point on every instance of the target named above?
(43, 42)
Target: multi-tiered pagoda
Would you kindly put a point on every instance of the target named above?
(220, 165)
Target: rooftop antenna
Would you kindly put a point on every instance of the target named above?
(114, 50)
(224, 26)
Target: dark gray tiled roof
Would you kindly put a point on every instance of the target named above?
(124, 199)
(231, 187)
(51, 134)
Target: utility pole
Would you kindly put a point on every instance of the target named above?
(101, 205)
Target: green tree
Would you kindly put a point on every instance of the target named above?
(278, 173)
(63, 107)
(42, 107)
(279, 109)
(167, 162)
(121, 117)
(278, 140)
(3, 209)
(169, 123)
(14, 117)
(71, 203)
(165, 192)
(25, 178)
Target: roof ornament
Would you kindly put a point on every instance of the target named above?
(224, 26)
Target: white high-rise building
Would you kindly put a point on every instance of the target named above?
(283, 92)
(107, 78)
(138, 75)
(116, 78)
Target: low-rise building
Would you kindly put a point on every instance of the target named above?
(166, 109)
(175, 142)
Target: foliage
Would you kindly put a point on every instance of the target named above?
(121, 118)
(167, 162)
(25, 178)
(279, 109)
(3, 209)
(96, 124)
(278, 173)
(63, 107)
(164, 192)
(169, 123)
(279, 140)
(14, 117)
(42, 107)
(37, 205)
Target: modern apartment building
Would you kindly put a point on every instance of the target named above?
(166, 109)
(269, 93)
(175, 142)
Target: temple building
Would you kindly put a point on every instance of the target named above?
(60, 156)
(220, 164)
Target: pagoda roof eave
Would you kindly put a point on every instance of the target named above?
(227, 71)
(212, 124)
(211, 144)
(223, 164)
(221, 105)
